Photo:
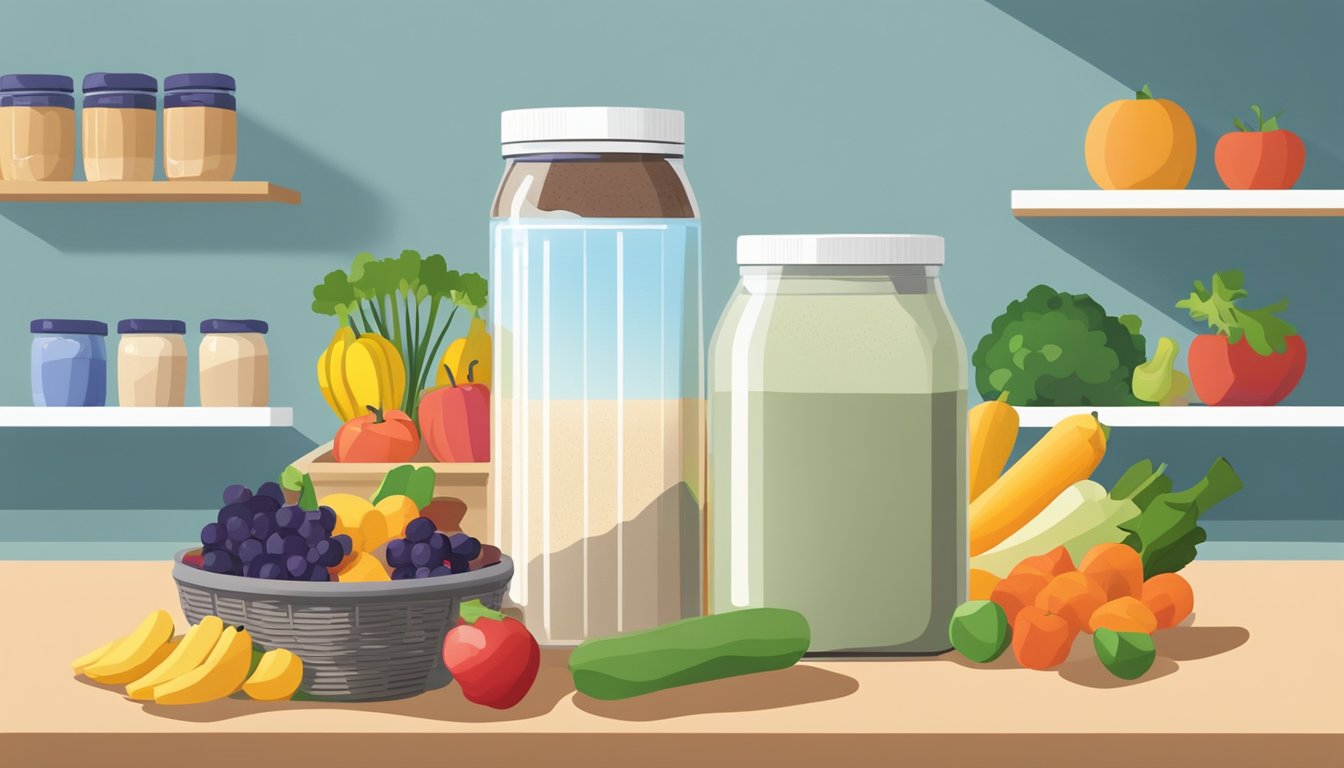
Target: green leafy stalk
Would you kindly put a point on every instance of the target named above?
(473, 610)
(1265, 332)
(1144, 93)
(1167, 531)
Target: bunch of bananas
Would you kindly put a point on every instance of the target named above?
(355, 373)
(209, 662)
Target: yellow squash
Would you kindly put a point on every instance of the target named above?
(992, 429)
(357, 372)
(1068, 453)
(474, 346)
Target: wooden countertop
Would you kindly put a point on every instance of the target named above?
(1257, 679)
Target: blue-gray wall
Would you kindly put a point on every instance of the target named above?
(837, 116)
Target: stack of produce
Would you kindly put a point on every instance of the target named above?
(375, 371)
(210, 661)
(341, 538)
(1029, 526)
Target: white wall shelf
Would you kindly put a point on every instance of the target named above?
(1285, 416)
(1028, 203)
(112, 416)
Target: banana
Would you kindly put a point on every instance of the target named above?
(395, 387)
(277, 676)
(221, 674)
(331, 374)
(156, 658)
(199, 641)
(92, 657)
(135, 649)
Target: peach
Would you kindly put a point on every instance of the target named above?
(1018, 591)
(1041, 640)
(1073, 596)
(1169, 597)
(1116, 568)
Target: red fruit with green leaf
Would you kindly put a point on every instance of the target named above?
(1255, 358)
(1267, 157)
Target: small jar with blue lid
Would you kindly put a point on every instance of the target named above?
(119, 126)
(69, 363)
(37, 128)
(200, 127)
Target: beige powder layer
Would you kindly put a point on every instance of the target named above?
(37, 143)
(610, 542)
(118, 144)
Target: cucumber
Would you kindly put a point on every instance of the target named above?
(690, 651)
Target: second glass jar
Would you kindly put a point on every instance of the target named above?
(837, 419)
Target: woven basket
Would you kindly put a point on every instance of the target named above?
(365, 641)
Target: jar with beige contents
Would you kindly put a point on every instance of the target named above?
(119, 130)
(151, 363)
(37, 128)
(200, 127)
(235, 364)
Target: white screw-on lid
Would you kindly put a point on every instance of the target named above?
(839, 250)
(661, 126)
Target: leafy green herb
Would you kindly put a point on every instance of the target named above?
(1266, 333)
(1272, 124)
(417, 483)
(389, 297)
(1167, 531)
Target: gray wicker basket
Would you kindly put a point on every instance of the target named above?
(365, 641)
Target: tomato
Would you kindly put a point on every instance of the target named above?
(1235, 374)
(381, 436)
(1260, 159)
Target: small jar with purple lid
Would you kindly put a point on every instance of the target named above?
(37, 128)
(235, 364)
(200, 127)
(119, 126)
(69, 362)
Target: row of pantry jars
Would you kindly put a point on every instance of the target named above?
(37, 127)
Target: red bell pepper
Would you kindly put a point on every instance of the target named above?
(1255, 358)
(455, 420)
(492, 656)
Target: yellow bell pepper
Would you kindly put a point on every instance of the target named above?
(357, 372)
(474, 346)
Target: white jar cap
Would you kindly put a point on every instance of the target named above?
(839, 250)
(592, 125)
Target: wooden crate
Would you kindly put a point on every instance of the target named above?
(468, 483)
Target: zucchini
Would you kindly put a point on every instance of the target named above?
(690, 651)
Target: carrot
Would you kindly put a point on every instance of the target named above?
(1067, 454)
(992, 431)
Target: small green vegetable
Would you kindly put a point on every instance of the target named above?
(690, 651)
(1153, 379)
(1167, 531)
(1127, 655)
(979, 630)
(1055, 348)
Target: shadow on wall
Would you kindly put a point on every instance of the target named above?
(1215, 58)
(105, 468)
(337, 210)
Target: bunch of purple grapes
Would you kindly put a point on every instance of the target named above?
(257, 535)
(426, 552)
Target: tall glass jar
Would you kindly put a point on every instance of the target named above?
(598, 401)
(837, 420)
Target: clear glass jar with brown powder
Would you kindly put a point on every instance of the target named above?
(598, 403)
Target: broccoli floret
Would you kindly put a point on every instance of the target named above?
(1054, 348)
